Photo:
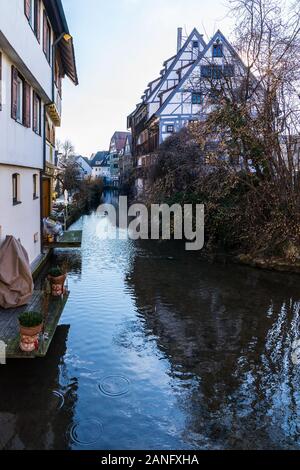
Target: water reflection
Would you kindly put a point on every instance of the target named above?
(164, 351)
(230, 329)
(37, 400)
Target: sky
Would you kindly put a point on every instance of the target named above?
(120, 46)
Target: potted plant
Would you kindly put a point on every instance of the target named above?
(31, 325)
(57, 280)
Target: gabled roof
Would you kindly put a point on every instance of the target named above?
(176, 57)
(120, 139)
(84, 158)
(217, 35)
(99, 157)
(59, 24)
(167, 71)
(105, 162)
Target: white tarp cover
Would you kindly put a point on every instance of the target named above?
(16, 283)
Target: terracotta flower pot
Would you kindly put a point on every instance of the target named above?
(57, 285)
(32, 331)
(29, 337)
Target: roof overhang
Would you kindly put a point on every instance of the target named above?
(59, 24)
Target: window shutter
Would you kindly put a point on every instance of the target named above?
(14, 92)
(38, 19)
(34, 110)
(0, 81)
(27, 4)
(45, 33)
(27, 105)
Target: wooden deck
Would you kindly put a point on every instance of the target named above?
(52, 309)
(70, 239)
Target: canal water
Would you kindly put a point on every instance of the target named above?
(159, 349)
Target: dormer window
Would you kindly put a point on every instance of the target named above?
(218, 50)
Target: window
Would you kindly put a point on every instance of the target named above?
(170, 128)
(32, 12)
(20, 99)
(50, 132)
(195, 44)
(197, 98)
(16, 188)
(29, 9)
(216, 71)
(206, 71)
(47, 38)
(58, 78)
(228, 71)
(35, 187)
(218, 50)
(36, 124)
(211, 71)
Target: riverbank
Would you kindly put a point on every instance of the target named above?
(272, 264)
(252, 216)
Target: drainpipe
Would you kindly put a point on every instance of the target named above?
(44, 138)
(41, 178)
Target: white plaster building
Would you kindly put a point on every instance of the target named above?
(101, 166)
(84, 167)
(36, 52)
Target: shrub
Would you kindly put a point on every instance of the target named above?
(55, 272)
(30, 319)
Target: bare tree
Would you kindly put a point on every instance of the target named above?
(249, 131)
(257, 114)
(68, 150)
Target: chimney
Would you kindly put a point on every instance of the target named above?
(179, 39)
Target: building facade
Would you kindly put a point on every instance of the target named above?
(147, 128)
(125, 159)
(36, 52)
(184, 93)
(100, 166)
(116, 148)
(84, 167)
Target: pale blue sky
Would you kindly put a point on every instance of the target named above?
(120, 46)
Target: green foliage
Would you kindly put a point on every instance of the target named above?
(55, 272)
(30, 319)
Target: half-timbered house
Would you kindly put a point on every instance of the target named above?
(187, 91)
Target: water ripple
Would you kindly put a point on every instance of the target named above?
(86, 432)
(114, 385)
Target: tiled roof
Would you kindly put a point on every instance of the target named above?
(99, 157)
(120, 139)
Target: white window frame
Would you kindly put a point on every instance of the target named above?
(37, 109)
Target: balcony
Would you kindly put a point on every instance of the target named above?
(54, 109)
